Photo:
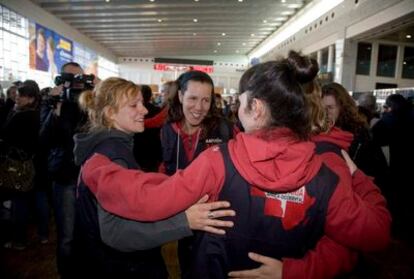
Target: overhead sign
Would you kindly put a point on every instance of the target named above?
(182, 68)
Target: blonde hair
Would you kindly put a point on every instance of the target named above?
(108, 94)
(318, 115)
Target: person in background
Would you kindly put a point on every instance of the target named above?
(395, 132)
(147, 144)
(59, 122)
(107, 245)
(343, 113)
(18, 135)
(269, 173)
(168, 91)
(367, 106)
(10, 101)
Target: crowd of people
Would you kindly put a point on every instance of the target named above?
(290, 179)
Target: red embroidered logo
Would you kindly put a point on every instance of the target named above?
(290, 207)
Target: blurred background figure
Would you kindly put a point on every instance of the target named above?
(395, 132)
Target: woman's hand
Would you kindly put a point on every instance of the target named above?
(201, 216)
(351, 165)
(270, 268)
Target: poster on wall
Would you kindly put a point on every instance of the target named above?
(48, 50)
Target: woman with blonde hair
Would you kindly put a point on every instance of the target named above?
(106, 244)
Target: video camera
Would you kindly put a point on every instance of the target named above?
(73, 86)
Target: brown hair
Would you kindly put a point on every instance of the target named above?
(107, 94)
(348, 119)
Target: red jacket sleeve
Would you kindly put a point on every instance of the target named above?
(353, 220)
(137, 195)
(327, 260)
(158, 120)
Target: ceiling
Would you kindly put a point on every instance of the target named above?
(160, 28)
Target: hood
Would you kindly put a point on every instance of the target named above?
(274, 160)
(85, 143)
(336, 136)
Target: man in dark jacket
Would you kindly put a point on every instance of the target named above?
(61, 119)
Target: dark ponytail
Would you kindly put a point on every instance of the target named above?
(280, 85)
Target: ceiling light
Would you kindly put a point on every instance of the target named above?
(196, 0)
(107, 1)
(215, 51)
(240, 1)
(237, 51)
(294, 6)
(219, 44)
(159, 20)
(244, 44)
(264, 21)
(252, 35)
(223, 34)
(151, 0)
(194, 34)
(408, 36)
(287, 12)
(283, 1)
(281, 18)
(195, 20)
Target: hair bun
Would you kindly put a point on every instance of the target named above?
(305, 68)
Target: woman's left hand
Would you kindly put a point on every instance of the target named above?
(270, 269)
(202, 216)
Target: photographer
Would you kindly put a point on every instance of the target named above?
(61, 118)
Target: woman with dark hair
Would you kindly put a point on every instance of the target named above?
(19, 139)
(285, 197)
(193, 124)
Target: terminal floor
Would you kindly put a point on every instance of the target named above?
(38, 261)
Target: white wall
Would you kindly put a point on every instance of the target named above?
(349, 22)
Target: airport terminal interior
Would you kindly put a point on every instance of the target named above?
(363, 47)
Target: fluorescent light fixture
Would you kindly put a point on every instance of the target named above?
(306, 16)
(408, 36)
(195, 20)
(223, 34)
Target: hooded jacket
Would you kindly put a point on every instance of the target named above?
(113, 231)
(329, 258)
(274, 161)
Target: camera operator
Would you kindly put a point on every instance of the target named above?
(61, 118)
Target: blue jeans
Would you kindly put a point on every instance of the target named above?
(64, 205)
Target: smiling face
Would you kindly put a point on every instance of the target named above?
(196, 103)
(130, 115)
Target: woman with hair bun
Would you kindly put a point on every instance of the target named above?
(284, 195)
(111, 246)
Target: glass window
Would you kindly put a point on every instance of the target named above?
(387, 56)
(363, 65)
(324, 63)
(408, 63)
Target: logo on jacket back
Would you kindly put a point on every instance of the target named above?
(290, 207)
